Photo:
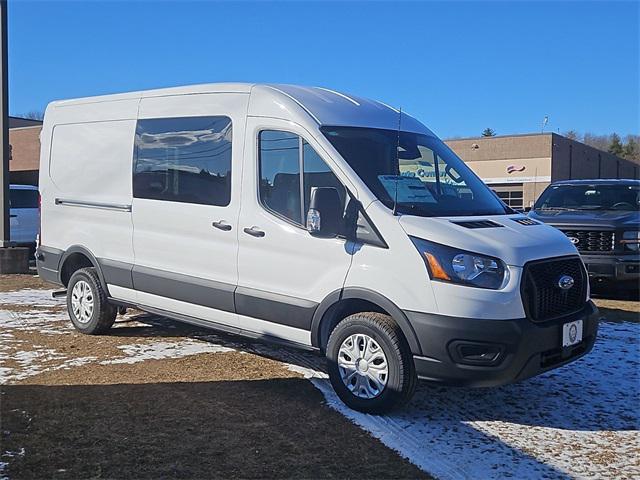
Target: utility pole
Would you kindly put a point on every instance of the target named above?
(4, 128)
(12, 259)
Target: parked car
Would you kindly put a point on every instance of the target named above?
(602, 219)
(308, 217)
(23, 215)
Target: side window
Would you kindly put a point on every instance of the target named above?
(183, 160)
(318, 174)
(282, 158)
(280, 173)
(19, 198)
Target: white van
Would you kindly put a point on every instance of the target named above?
(310, 217)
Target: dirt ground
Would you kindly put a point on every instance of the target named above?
(75, 406)
(157, 399)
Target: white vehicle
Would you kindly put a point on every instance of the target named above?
(310, 217)
(23, 215)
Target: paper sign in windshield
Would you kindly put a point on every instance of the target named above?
(410, 189)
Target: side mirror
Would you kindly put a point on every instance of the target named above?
(323, 217)
(527, 209)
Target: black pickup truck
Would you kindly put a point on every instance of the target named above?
(602, 219)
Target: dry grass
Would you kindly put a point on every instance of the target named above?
(235, 414)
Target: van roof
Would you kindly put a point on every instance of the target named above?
(323, 105)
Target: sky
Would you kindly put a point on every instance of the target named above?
(459, 67)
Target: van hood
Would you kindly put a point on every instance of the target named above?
(508, 240)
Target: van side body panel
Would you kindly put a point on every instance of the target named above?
(178, 237)
(85, 178)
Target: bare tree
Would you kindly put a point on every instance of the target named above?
(33, 115)
(601, 142)
(572, 135)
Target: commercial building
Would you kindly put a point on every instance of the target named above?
(24, 141)
(519, 167)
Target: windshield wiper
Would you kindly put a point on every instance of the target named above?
(559, 209)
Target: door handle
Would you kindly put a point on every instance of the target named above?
(222, 226)
(254, 232)
(12, 216)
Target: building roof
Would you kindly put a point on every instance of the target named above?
(17, 122)
(482, 137)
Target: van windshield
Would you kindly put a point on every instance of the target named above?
(418, 173)
(590, 197)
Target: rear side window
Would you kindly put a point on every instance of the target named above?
(283, 157)
(183, 160)
(23, 198)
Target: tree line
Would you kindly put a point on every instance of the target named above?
(628, 148)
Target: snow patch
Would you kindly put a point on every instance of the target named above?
(4, 465)
(161, 350)
(579, 421)
(31, 296)
(43, 322)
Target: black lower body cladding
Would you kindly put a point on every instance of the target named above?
(250, 302)
(484, 353)
(48, 263)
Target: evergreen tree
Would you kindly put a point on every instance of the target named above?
(631, 150)
(615, 147)
(488, 132)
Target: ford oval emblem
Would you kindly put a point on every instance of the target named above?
(574, 240)
(566, 282)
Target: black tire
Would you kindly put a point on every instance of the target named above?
(103, 314)
(401, 380)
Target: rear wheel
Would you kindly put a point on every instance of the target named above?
(370, 364)
(87, 304)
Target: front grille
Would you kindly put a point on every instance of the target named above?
(542, 296)
(594, 241)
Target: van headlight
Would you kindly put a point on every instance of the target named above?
(631, 239)
(448, 264)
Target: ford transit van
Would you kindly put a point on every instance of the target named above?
(308, 217)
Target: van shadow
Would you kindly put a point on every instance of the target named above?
(595, 393)
(276, 428)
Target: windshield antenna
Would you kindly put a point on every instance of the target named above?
(395, 198)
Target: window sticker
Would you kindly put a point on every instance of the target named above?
(409, 189)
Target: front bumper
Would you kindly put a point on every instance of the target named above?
(615, 267)
(522, 348)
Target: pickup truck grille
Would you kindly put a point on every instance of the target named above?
(542, 296)
(593, 241)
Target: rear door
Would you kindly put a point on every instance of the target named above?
(186, 189)
(284, 272)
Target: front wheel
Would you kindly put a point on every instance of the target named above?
(370, 364)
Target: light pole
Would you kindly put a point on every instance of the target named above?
(12, 260)
(544, 122)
